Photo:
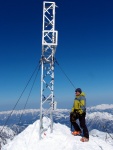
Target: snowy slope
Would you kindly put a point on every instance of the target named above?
(108, 137)
(60, 139)
(6, 134)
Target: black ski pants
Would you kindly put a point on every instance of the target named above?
(82, 125)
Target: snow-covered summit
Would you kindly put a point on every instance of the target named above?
(60, 139)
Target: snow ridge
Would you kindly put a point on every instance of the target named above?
(60, 139)
(101, 107)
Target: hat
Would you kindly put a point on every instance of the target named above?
(78, 90)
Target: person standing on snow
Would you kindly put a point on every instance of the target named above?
(79, 112)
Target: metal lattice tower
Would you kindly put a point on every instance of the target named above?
(49, 43)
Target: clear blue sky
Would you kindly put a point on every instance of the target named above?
(85, 50)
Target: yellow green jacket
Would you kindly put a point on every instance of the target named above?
(79, 103)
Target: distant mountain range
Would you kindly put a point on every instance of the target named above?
(99, 117)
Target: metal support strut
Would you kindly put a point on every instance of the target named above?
(49, 43)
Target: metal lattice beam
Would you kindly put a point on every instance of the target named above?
(49, 43)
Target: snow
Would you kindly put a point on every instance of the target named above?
(108, 137)
(60, 139)
(17, 112)
(103, 107)
(100, 115)
(7, 131)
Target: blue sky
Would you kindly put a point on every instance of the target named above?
(85, 50)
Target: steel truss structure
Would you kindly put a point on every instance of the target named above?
(49, 43)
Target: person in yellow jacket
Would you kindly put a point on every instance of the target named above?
(79, 112)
